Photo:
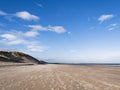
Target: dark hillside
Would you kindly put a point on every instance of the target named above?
(18, 57)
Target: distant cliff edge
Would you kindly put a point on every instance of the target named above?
(18, 57)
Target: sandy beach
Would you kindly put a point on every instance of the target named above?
(59, 77)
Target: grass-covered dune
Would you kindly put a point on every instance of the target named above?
(18, 57)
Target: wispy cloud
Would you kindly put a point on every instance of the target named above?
(6, 15)
(18, 38)
(112, 26)
(27, 39)
(26, 16)
(35, 28)
(8, 36)
(31, 33)
(23, 15)
(38, 27)
(39, 5)
(36, 48)
(3, 13)
(16, 42)
(105, 17)
(11, 39)
(57, 29)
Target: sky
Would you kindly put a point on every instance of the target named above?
(70, 31)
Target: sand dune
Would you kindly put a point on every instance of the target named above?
(60, 77)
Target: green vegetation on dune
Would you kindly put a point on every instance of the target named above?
(18, 57)
(5, 57)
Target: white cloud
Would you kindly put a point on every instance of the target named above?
(16, 42)
(11, 39)
(36, 48)
(57, 29)
(34, 30)
(3, 13)
(112, 26)
(8, 36)
(23, 15)
(26, 16)
(37, 27)
(25, 38)
(105, 17)
(15, 38)
(31, 33)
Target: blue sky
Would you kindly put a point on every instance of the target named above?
(62, 30)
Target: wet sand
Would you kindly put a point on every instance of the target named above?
(59, 77)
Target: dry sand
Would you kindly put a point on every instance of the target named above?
(59, 77)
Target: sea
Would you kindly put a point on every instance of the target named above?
(92, 64)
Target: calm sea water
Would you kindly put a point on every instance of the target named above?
(91, 64)
(103, 64)
(113, 65)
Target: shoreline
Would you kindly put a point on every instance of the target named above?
(7, 64)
